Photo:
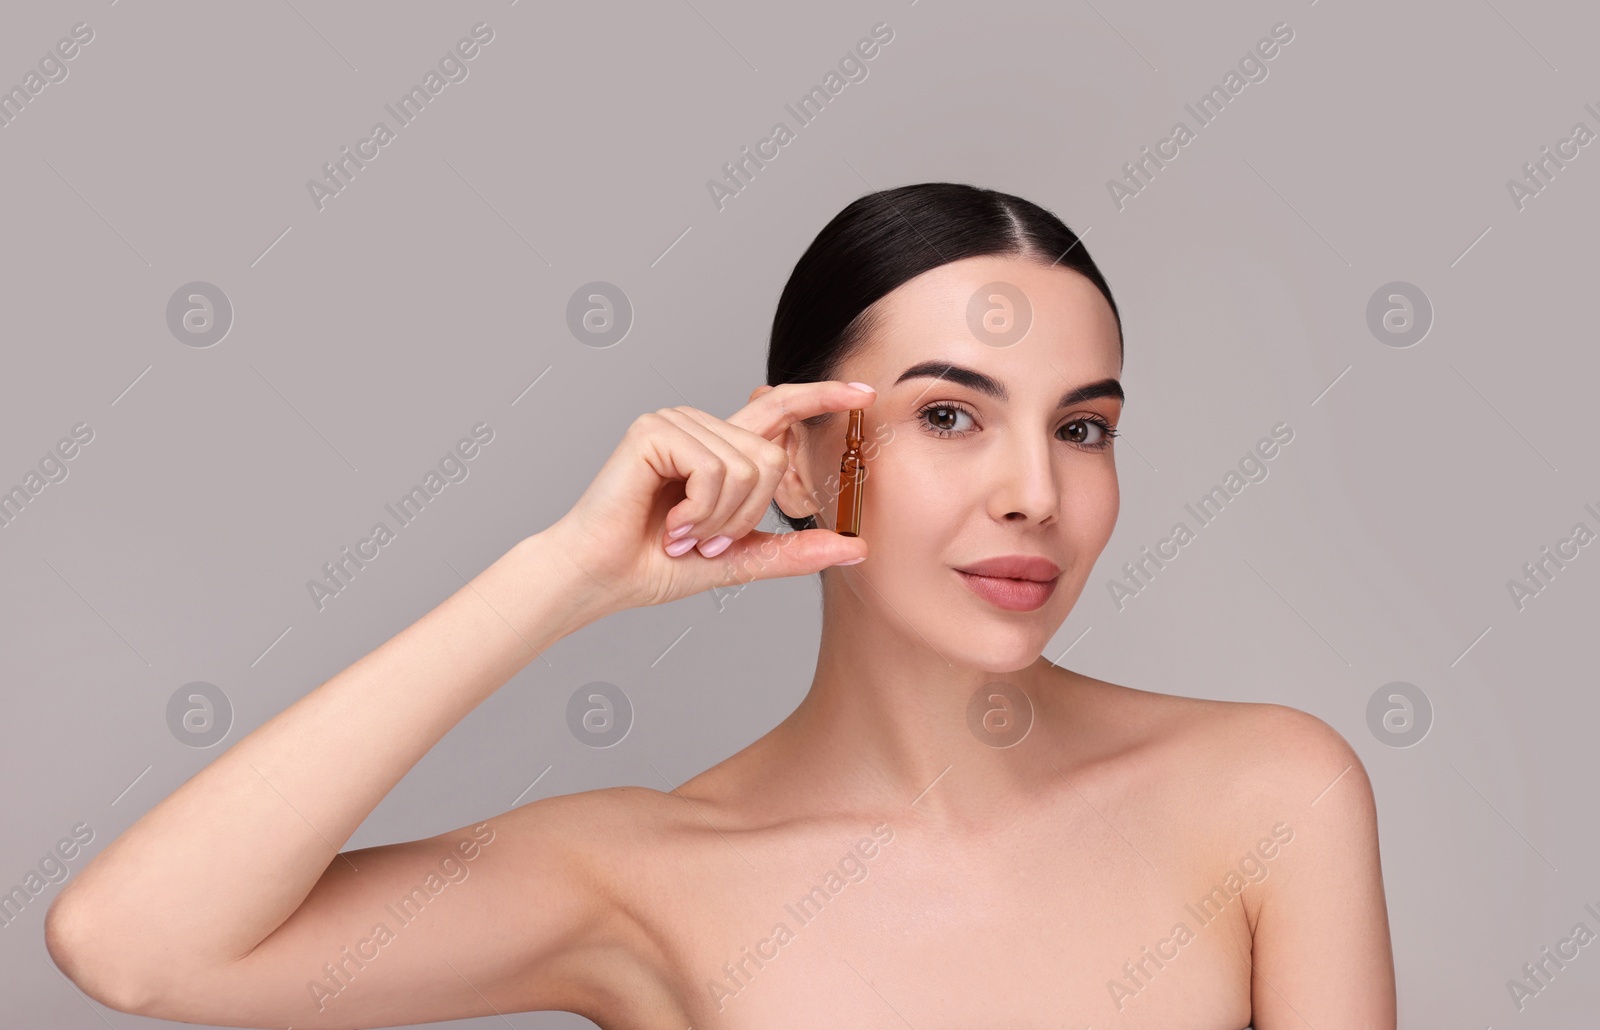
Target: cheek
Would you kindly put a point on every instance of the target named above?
(914, 489)
(1090, 508)
(908, 509)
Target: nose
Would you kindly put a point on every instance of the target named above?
(1024, 486)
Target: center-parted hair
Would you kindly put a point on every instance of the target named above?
(888, 238)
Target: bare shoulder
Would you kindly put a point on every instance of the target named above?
(577, 861)
(1261, 747)
(597, 831)
(1229, 778)
(1300, 806)
(591, 811)
(1291, 759)
(591, 844)
(1260, 757)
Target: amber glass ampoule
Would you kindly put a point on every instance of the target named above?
(852, 478)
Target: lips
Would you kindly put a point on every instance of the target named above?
(1014, 566)
(1015, 582)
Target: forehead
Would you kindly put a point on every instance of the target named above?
(973, 310)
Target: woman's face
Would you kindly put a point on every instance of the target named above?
(976, 449)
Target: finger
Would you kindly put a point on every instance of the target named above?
(769, 414)
(762, 555)
(743, 476)
(749, 442)
(757, 448)
(770, 459)
(672, 453)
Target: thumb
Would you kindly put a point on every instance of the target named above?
(760, 555)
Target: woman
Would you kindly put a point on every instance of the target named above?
(948, 831)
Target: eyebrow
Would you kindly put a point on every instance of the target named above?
(987, 384)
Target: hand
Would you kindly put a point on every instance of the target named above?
(680, 467)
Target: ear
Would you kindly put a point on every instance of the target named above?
(794, 494)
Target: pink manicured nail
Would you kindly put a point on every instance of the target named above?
(852, 561)
(676, 533)
(678, 547)
(715, 546)
(862, 386)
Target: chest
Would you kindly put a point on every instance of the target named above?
(1037, 930)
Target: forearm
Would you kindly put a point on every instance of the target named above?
(213, 869)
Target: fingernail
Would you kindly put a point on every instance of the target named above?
(678, 547)
(852, 561)
(715, 546)
(862, 386)
(676, 533)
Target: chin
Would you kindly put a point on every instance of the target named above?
(977, 635)
(993, 647)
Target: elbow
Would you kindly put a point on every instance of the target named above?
(94, 968)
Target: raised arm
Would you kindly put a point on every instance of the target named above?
(230, 900)
(225, 900)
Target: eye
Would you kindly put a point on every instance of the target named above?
(942, 414)
(1090, 425)
(1088, 432)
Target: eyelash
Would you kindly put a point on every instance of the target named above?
(1107, 432)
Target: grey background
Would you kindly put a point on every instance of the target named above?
(430, 294)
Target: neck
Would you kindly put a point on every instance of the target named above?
(890, 720)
